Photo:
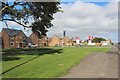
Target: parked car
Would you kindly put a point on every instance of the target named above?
(58, 45)
(33, 45)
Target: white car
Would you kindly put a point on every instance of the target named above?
(33, 45)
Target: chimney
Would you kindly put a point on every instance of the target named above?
(64, 33)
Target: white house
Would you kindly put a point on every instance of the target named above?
(105, 43)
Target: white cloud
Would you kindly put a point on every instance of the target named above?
(83, 19)
(13, 25)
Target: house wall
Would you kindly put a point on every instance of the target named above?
(54, 40)
(20, 40)
(71, 43)
(40, 42)
(66, 41)
(97, 44)
(34, 38)
(43, 41)
(5, 39)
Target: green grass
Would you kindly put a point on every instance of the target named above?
(9, 64)
(50, 65)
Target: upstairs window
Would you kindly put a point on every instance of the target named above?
(24, 40)
(20, 37)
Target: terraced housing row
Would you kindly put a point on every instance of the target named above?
(12, 38)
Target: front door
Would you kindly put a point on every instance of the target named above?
(20, 45)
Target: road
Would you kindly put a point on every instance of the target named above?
(96, 65)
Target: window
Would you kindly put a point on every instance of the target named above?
(24, 44)
(11, 43)
(20, 37)
(11, 38)
(24, 40)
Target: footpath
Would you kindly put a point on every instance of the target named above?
(96, 65)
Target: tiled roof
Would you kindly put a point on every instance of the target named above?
(11, 32)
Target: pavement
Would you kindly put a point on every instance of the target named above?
(96, 65)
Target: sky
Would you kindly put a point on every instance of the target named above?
(81, 19)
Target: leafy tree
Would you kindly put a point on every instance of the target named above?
(96, 39)
(41, 13)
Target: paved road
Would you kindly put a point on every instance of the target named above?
(96, 65)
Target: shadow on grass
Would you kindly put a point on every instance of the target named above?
(11, 54)
(10, 58)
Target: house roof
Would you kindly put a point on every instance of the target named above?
(56, 36)
(65, 37)
(11, 32)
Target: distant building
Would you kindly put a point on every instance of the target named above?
(90, 38)
(55, 40)
(44, 41)
(104, 43)
(73, 42)
(12, 38)
(66, 41)
(37, 41)
(34, 39)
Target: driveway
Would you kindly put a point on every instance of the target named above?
(96, 65)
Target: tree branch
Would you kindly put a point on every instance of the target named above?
(17, 22)
(18, 3)
(3, 9)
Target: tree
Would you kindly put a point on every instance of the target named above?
(41, 13)
(96, 39)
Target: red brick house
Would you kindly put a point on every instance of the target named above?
(12, 38)
(55, 40)
(37, 41)
(44, 41)
(65, 41)
(34, 39)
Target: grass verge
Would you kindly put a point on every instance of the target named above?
(50, 65)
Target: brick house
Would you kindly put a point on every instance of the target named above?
(37, 41)
(71, 42)
(34, 39)
(12, 38)
(66, 41)
(44, 41)
(55, 40)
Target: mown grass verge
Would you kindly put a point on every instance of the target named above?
(50, 63)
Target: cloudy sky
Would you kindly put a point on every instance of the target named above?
(81, 19)
(85, 18)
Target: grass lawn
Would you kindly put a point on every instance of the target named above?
(50, 63)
